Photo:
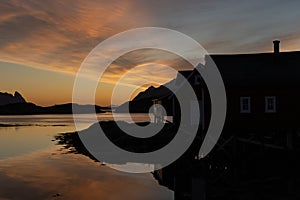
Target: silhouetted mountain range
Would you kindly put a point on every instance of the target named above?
(32, 109)
(6, 98)
(16, 105)
(144, 100)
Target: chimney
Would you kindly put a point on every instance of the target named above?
(276, 46)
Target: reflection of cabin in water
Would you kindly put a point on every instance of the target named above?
(261, 133)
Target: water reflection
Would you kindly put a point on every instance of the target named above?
(24, 134)
(73, 144)
(16, 141)
(41, 175)
(34, 166)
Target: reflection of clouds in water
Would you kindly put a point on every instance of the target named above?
(43, 125)
(38, 176)
(20, 140)
(11, 186)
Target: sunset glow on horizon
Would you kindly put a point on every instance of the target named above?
(43, 43)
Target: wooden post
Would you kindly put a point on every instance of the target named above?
(235, 159)
(289, 141)
(290, 163)
(179, 187)
(198, 188)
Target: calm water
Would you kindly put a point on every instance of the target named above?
(33, 166)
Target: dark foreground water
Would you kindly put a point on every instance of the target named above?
(33, 166)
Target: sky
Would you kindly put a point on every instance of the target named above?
(44, 42)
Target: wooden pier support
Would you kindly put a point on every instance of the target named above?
(189, 188)
(198, 188)
(290, 162)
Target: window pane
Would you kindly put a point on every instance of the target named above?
(245, 104)
(270, 104)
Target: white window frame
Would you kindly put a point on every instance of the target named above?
(273, 98)
(242, 110)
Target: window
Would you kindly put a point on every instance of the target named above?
(197, 79)
(245, 106)
(270, 104)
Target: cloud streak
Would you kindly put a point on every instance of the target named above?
(57, 35)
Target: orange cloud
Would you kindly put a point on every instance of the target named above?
(56, 35)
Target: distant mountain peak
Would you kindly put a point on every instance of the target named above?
(154, 92)
(7, 98)
(18, 96)
(17, 93)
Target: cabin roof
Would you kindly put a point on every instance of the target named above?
(263, 69)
